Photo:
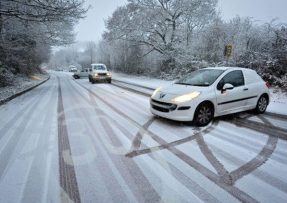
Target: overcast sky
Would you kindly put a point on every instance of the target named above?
(91, 28)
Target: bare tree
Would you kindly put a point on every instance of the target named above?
(91, 49)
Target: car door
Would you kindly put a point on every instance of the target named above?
(233, 100)
(86, 72)
(81, 73)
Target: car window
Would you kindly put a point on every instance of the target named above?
(235, 78)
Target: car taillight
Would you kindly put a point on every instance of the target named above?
(268, 84)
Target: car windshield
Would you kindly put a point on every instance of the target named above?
(100, 67)
(204, 77)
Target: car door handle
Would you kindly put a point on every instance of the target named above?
(245, 89)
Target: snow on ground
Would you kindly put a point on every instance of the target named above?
(278, 98)
(278, 102)
(144, 81)
(21, 83)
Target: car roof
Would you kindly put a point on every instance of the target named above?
(228, 68)
(98, 64)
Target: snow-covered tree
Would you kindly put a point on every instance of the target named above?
(159, 25)
(28, 28)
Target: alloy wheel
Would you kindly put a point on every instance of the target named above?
(262, 104)
(204, 115)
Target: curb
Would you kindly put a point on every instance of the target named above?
(3, 101)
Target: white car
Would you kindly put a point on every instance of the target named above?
(211, 92)
(83, 73)
(99, 72)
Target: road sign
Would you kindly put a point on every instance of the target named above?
(228, 50)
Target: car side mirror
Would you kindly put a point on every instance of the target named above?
(227, 86)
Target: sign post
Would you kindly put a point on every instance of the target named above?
(228, 52)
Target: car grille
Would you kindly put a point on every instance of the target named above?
(102, 74)
(163, 106)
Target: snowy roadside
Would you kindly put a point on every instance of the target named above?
(21, 85)
(143, 81)
(277, 105)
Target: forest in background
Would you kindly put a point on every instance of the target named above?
(170, 38)
(28, 30)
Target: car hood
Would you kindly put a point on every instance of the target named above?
(171, 91)
(176, 89)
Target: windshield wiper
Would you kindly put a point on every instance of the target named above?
(200, 85)
(182, 83)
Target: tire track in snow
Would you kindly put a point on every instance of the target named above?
(235, 192)
(37, 176)
(68, 180)
(138, 152)
(266, 127)
(260, 159)
(189, 183)
(139, 184)
(24, 109)
(264, 176)
(219, 167)
(139, 136)
(9, 149)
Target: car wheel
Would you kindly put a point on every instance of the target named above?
(262, 104)
(109, 81)
(92, 81)
(203, 114)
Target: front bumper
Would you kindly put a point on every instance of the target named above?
(102, 78)
(178, 112)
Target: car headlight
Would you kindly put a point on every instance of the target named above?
(96, 74)
(156, 91)
(185, 97)
(109, 74)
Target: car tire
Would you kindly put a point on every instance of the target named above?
(203, 114)
(262, 104)
(109, 81)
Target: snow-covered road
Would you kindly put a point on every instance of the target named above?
(69, 140)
